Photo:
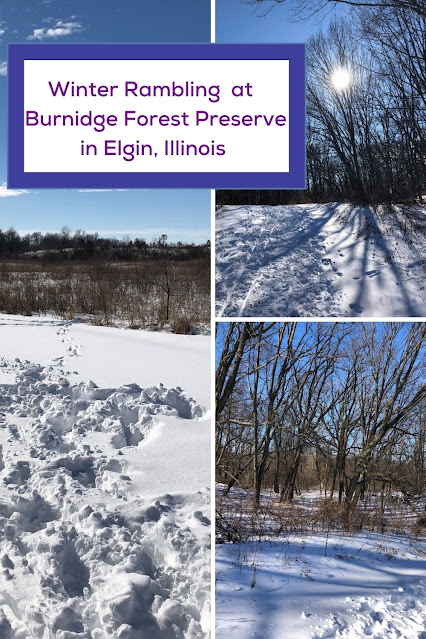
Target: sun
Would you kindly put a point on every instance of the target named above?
(341, 79)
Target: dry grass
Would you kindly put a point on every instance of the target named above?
(139, 294)
(237, 520)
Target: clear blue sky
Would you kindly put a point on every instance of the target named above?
(239, 22)
(182, 215)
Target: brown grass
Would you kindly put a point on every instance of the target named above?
(139, 294)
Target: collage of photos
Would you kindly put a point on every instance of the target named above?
(213, 403)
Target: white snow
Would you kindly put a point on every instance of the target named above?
(319, 586)
(320, 260)
(104, 475)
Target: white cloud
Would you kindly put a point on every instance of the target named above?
(3, 68)
(5, 192)
(57, 31)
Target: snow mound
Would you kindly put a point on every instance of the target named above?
(82, 554)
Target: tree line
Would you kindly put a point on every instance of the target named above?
(335, 406)
(81, 245)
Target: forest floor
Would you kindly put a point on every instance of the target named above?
(320, 260)
(104, 475)
(290, 583)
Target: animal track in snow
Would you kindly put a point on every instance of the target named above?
(73, 350)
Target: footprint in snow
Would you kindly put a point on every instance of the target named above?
(356, 307)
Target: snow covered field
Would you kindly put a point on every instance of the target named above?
(319, 260)
(104, 475)
(319, 586)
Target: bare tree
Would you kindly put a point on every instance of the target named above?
(388, 390)
(166, 277)
(270, 396)
(350, 397)
(233, 347)
(397, 42)
(344, 117)
(314, 365)
(366, 141)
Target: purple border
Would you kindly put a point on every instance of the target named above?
(294, 179)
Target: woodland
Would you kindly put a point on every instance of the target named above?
(339, 408)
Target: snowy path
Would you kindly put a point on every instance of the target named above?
(320, 260)
(104, 510)
(366, 586)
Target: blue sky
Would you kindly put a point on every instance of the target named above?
(182, 215)
(239, 22)
(106, 21)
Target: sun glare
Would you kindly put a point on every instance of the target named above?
(341, 79)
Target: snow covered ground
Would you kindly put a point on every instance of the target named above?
(320, 260)
(104, 475)
(319, 586)
(366, 586)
